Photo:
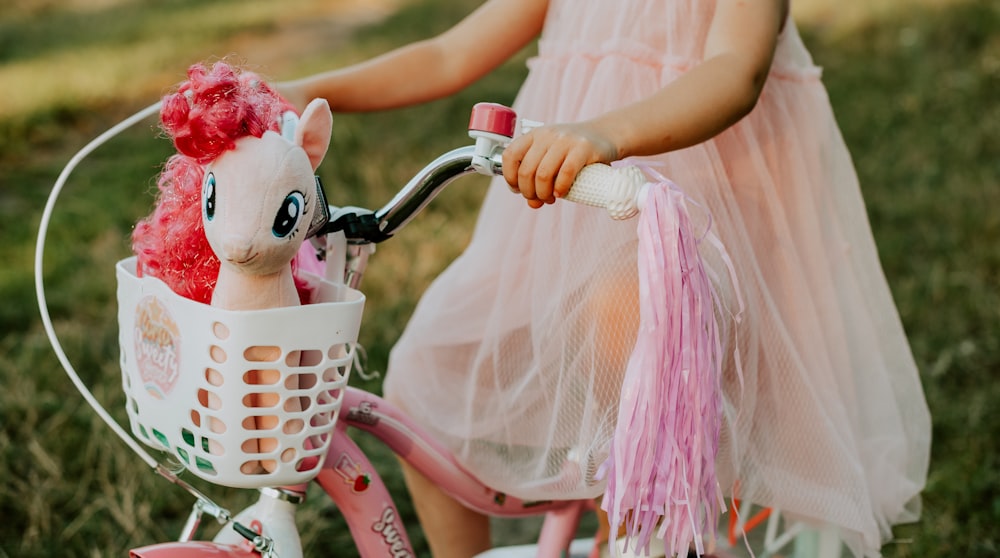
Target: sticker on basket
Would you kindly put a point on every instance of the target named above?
(352, 474)
(157, 347)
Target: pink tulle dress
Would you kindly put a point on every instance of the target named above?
(515, 355)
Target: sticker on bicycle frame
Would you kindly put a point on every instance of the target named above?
(390, 531)
(352, 474)
(363, 414)
(157, 347)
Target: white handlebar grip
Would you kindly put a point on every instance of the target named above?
(616, 189)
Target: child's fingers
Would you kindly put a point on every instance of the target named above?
(572, 164)
(527, 171)
(512, 160)
(545, 175)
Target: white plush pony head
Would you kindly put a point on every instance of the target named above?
(258, 200)
(233, 174)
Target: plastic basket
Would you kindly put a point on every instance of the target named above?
(188, 371)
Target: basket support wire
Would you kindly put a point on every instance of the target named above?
(162, 470)
(40, 285)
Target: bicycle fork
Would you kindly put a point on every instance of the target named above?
(267, 526)
(266, 529)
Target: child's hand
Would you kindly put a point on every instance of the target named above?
(543, 163)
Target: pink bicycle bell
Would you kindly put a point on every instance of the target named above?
(493, 118)
(492, 125)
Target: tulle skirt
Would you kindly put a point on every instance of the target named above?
(516, 353)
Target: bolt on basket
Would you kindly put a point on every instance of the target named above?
(191, 374)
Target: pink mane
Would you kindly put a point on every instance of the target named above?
(204, 118)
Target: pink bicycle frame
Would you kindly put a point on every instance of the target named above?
(368, 507)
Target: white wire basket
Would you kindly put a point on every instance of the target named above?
(245, 399)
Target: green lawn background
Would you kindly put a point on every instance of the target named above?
(914, 85)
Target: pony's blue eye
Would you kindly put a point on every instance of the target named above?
(208, 197)
(289, 214)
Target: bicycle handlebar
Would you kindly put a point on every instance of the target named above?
(365, 225)
(617, 189)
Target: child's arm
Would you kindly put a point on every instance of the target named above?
(698, 105)
(428, 69)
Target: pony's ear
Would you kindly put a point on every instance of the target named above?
(313, 131)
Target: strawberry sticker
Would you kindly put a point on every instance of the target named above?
(352, 474)
(361, 483)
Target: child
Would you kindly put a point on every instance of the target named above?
(514, 356)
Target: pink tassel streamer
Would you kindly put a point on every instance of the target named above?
(661, 470)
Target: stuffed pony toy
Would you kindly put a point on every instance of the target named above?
(235, 205)
(205, 118)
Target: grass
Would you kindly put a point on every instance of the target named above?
(913, 84)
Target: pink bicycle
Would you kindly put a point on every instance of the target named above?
(154, 322)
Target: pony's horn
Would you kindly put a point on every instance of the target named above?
(289, 120)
